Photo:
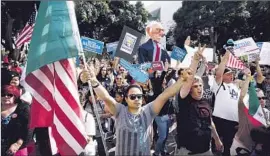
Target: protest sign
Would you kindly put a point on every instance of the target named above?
(259, 45)
(178, 53)
(143, 66)
(157, 65)
(265, 54)
(245, 47)
(207, 53)
(91, 45)
(252, 57)
(111, 48)
(137, 74)
(128, 44)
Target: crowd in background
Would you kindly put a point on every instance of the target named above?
(16, 103)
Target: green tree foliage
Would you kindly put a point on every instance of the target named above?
(259, 21)
(104, 20)
(14, 14)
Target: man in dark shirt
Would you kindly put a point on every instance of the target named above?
(195, 127)
(194, 121)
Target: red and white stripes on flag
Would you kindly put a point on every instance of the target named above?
(56, 105)
(235, 62)
(26, 33)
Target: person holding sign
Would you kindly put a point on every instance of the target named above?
(152, 50)
(133, 123)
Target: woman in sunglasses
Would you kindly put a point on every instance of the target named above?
(133, 123)
(14, 122)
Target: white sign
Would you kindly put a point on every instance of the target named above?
(245, 47)
(265, 54)
(128, 43)
(207, 53)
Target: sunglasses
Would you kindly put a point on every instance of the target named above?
(8, 95)
(134, 96)
(262, 98)
(118, 78)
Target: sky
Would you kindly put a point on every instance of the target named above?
(146, 3)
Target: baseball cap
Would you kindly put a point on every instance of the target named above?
(228, 70)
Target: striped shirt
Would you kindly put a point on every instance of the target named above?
(133, 132)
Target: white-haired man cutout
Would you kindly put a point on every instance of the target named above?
(152, 50)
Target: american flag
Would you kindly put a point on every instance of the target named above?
(26, 33)
(56, 105)
(235, 62)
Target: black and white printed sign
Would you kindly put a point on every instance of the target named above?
(128, 43)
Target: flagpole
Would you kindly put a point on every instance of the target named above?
(95, 109)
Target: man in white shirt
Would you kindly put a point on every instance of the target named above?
(225, 114)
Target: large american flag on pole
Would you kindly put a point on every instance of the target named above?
(235, 62)
(56, 101)
(26, 33)
(51, 76)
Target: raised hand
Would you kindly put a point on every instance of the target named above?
(88, 74)
(199, 54)
(247, 73)
(166, 65)
(187, 74)
(257, 60)
(187, 41)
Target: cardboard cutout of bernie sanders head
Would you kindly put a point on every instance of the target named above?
(152, 50)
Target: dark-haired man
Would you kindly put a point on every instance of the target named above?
(133, 123)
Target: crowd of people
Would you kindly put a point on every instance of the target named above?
(208, 107)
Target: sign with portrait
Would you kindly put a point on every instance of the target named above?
(128, 43)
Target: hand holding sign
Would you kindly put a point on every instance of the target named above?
(257, 60)
(157, 65)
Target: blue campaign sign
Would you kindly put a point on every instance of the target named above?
(91, 45)
(143, 66)
(135, 73)
(178, 54)
(111, 48)
(259, 44)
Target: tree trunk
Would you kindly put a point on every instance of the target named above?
(213, 41)
(8, 37)
(215, 47)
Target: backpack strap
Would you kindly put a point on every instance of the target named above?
(219, 88)
(85, 120)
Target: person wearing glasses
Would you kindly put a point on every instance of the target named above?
(15, 133)
(119, 85)
(262, 98)
(133, 122)
(152, 50)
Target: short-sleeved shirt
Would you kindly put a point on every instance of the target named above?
(207, 92)
(226, 101)
(133, 131)
(193, 124)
